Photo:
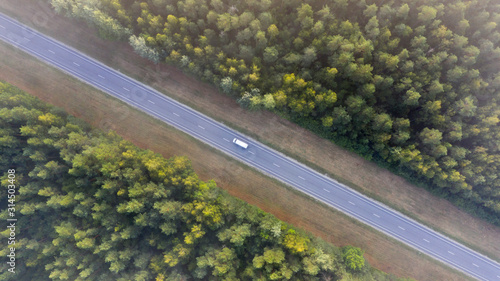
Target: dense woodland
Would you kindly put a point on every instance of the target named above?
(412, 84)
(91, 206)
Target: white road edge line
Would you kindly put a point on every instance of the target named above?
(251, 152)
(201, 127)
(427, 240)
(351, 203)
(176, 114)
(276, 165)
(301, 178)
(151, 101)
(126, 89)
(50, 51)
(326, 190)
(401, 227)
(225, 139)
(101, 76)
(76, 64)
(376, 215)
(451, 253)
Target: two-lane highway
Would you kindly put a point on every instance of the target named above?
(257, 155)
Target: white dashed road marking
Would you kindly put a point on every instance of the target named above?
(76, 64)
(100, 76)
(451, 253)
(326, 190)
(126, 89)
(376, 215)
(151, 101)
(225, 139)
(50, 51)
(475, 265)
(401, 227)
(201, 127)
(427, 241)
(351, 203)
(276, 165)
(176, 114)
(252, 152)
(301, 178)
(26, 39)
(2, 26)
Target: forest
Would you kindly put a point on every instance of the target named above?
(92, 206)
(412, 85)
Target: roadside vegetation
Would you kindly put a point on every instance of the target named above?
(413, 86)
(92, 206)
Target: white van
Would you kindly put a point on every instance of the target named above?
(240, 143)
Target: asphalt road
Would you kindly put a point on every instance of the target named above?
(257, 155)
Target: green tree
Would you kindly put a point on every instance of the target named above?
(140, 47)
(411, 97)
(403, 11)
(372, 28)
(222, 262)
(236, 234)
(227, 85)
(270, 55)
(273, 31)
(353, 257)
(309, 56)
(370, 11)
(430, 136)
(426, 14)
(268, 101)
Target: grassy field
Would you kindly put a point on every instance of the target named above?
(82, 101)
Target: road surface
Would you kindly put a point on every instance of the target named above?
(256, 155)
